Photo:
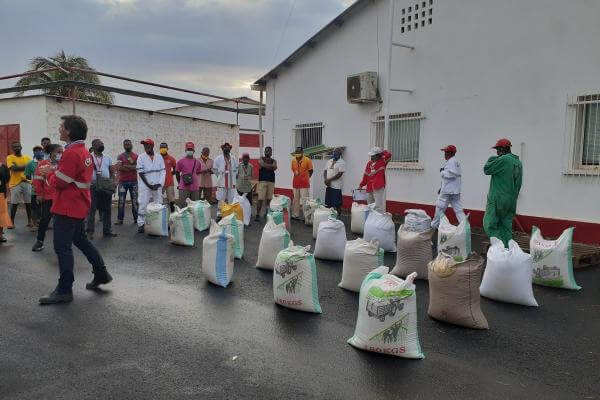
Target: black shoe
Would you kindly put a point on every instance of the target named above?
(109, 235)
(38, 246)
(141, 229)
(55, 298)
(119, 223)
(257, 218)
(100, 278)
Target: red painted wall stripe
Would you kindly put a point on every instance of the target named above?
(585, 232)
(249, 140)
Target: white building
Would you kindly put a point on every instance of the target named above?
(29, 118)
(479, 71)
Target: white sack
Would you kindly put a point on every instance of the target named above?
(246, 207)
(156, 223)
(416, 220)
(321, 214)
(454, 240)
(380, 226)
(181, 224)
(552, 260)
(360, 258)
(331, 240)
(359, 214)
(308, 209)
(201, 212)
(235, 228)
(217, 256)
(274, 239)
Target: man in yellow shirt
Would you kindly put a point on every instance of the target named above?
(19, 185)
(303, 169)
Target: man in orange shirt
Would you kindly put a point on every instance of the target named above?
(303, 169)
(170, 164)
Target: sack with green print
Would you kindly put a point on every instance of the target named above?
(454, 240)
(553, 260)
(181, 224)
(387, 315)
(234, 227)
(295, 280)
(201, 212)
(274, 239)
(360, 258)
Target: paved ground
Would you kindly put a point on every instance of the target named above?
(160, 331)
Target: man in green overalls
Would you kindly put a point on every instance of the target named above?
(506, 173)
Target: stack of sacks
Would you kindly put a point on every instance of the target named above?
(360, 258)
(321, 214)
(235, 228)
(552, 261)
(156, 223)
(279, 208)
(359, 215)
(274, 239)
(181, 224)
(380, 226)
(233, 208)
(387, 316)
(308, 209)
(508, 274)
(331, 240)
(201, 212)
(416, 220)
(217, 256)
(413, 253)
(295, 280)
(454, 291)
(454, 240)
(246, 206)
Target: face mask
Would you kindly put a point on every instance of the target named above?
(336, 157)
(57, 157)
(39, 155)
(163, 152)
(190, 153)
(100, 149)
(226, 152)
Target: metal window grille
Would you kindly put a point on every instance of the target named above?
(583, 135)
(308, 135)
(403, 136)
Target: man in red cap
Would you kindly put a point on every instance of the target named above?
(187, 171)
(151, 171)
(506, 173)
(449, 193)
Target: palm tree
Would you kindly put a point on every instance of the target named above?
(65, 61)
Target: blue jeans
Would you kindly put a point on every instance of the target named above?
(68, 232)
(132, 187)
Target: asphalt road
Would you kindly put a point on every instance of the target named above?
(160, 331)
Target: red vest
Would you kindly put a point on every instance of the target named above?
(72, 182)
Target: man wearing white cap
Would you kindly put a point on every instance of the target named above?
(374, 177)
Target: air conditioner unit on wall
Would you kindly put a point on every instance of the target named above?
(362, 88)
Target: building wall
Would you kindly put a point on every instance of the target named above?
(479, 72)
(29, 113)
(115, 124)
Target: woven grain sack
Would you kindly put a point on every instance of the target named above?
(181, 224)
(217, 256)
(454, 240)
(295, 280)
(331, 240)
(380, 226)
(242, 200)
(508, 274)
(413, 253)
(360, 258)
(235, 228)
(281, 201)
(321, 214)
(308, 208)
(233, 208)
(358, 214)
(156, 223)
(416, 220)
(387, 316)
(201, 212)
(552, 260)
(454, 291)
(274, 239)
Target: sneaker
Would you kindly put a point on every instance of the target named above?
(100, 278)
(257, 218)
(38, 246)
(55, 298)
(141, 229)
(119, 223)
(109, 235)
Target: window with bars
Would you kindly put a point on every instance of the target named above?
(308, 134)
(584, 134)
(403, 137)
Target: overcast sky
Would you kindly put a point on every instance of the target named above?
(215, 46)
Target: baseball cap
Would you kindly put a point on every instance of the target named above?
(374, 151)
(450, 148)
(502, 143)
(164, 145)
(147, 141)
(190, 145)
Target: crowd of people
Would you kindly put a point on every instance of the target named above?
(69, 184)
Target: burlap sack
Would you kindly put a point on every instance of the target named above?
(454, 291)
(413, 253)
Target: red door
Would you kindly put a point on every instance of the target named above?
(8, 135)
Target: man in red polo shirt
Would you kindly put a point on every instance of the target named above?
(170, 164)
(72, 181)
(374, 177)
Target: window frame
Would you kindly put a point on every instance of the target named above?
(576, 111)
(378, 125)
(298, 128)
